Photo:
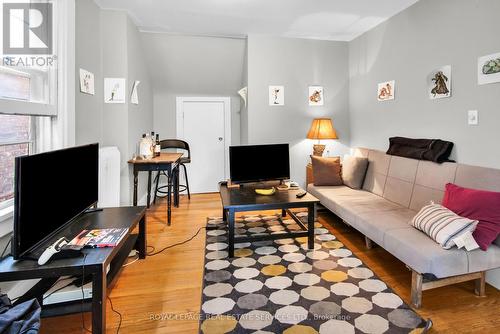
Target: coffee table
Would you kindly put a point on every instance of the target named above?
(243, 199)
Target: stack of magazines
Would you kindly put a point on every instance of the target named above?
(108, 237)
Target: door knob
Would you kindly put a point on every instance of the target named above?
(220, 138)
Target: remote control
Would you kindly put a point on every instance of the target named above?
(301, 194)
(51, 250)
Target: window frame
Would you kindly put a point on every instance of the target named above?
(5, 210)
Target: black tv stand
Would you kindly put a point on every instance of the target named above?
(104, 264)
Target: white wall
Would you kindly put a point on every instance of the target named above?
(108, 44)
(296, 64)
(407, 48)
(192, 66)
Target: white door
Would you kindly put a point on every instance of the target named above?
(205, 124)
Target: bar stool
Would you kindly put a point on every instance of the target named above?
(180, 145)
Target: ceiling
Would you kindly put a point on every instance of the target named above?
(340, 20)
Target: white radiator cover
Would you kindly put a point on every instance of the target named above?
(109, 177)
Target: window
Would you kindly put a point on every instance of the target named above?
(29, 92)
(15, 130)
(15, 140)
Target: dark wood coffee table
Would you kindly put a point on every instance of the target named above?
(243, 199)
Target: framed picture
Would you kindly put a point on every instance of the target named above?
(86, 82)
(316, 96)
(385, 91)
(114, 90)
(134, 97)
(439, 83)
(488, 69)
(276, 95)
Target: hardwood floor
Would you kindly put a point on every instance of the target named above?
(162, 294)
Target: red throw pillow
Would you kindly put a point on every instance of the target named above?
(479, 205)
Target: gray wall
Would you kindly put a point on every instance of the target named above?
(108, 44)
(407, 48)
(296, 64)
(88, 55)
(140, 116)
(193, 66)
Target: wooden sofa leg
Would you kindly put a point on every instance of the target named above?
(480, 285)
(416, 289)
(368, 242)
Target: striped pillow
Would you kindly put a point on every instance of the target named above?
(442, 225)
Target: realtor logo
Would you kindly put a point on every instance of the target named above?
(27, 28)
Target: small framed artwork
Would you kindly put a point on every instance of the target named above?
(114, 90)
(316, 96)
(276, 95)
(385, 91)
(87, 82)
(134, 97)
(439, 83)
(488, 69)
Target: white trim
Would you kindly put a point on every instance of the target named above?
(6, 214)
(179, 120)
(14, 107)
(63, 134)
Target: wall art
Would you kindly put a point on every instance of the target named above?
(439, 83)
(114, 90)
(134, 97)
(488, 69)
(87, 82)
(316, 96)
(385, 91)
(276, 95)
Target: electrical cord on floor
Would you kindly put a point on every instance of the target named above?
(119, 314)
(153, 253)
(133, 261)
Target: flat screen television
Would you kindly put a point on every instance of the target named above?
(51, 189)
(257, 163)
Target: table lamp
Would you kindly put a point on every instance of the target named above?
(321, 128)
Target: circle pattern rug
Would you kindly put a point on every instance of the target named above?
(283, 287)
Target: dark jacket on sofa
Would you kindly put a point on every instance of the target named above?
(422, 149)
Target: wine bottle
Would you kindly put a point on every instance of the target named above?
(157, 146)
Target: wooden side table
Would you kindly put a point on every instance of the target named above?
(309, 174)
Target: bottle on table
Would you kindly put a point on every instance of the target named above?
(157, 146)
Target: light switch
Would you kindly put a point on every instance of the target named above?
(473, 117)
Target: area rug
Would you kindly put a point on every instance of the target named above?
(283, 287)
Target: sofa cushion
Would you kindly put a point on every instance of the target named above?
(422, 196)
(331, 196)
(423, 255)
(480, 260)
(375, 224)
(435, 176)
(481, 205)
(398, 191)
(354, 171)
(326, 171)
(403, 169)
(376, 174)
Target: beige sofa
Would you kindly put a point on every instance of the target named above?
(393, 191)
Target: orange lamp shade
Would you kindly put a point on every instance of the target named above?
(322, 128)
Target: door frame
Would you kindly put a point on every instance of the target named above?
(227, 121)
